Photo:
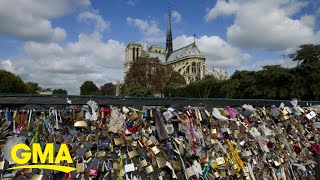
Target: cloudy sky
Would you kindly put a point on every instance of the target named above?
(62, 43)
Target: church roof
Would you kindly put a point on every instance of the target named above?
(160, 56)
(189, 50)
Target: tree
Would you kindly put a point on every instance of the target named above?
(32, 87)
(10, 83)
(108, 89)
(136, 90)
(307, 54)
(89, 88)
(60, 91)
(149, 72)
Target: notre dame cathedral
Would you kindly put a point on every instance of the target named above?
(188, 60)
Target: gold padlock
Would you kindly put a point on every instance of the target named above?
(118, 141)
(176, 164)
(213, 131)
(80, 166)
(132, 153)
(100, 154)
(37, 176)
(116, 165)
(134, 143)
(2, 163)
(149, 142)
(143, 162)
(155, 150)
(149, 169)
(161, 161)
(88, 154)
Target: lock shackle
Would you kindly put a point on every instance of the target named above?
(126, 161)
(141, 158)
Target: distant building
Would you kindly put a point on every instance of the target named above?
(188, 60)
(45, 92)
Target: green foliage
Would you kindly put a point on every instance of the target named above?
(272, 82)
(10, 83)
(152, 77)
(108, 89)
(136, 90)
(89, 88)
(307, 54)
(60, 91)
(32, 87)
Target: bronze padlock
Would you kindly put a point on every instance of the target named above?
(149, 169)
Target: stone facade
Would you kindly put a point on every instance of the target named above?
(188, 60)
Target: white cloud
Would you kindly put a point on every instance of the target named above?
(176, 16)
(131, 3)
(89, 16)
(149, 29)
(256, 66)
(67, 66)
(267, 24)
(222, 8)
(30, 20)
(218, 53)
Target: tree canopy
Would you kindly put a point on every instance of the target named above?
(60, 91)
(149, 74)
(11, 83)
(89, 88)
(108, 89)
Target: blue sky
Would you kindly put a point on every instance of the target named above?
(62, 43)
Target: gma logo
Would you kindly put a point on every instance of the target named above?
(47, 154)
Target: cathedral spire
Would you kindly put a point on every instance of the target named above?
(169, 49)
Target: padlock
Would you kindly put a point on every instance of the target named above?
(88, 154)
(176, 164)
(134, 143)
(118, 141)
(2, 161)
(149, 169)
(161, 160)
(100, 154)
(190, 171)
(149, 142)
(132, 153)
(129, 167)
(80, 166)
(142, 162)
(155, 150)
(116, 165)
(220, 160)
(93, 171)
(38, 176)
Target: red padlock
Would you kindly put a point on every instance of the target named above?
(93, 171)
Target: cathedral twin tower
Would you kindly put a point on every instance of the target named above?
(188, 60)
